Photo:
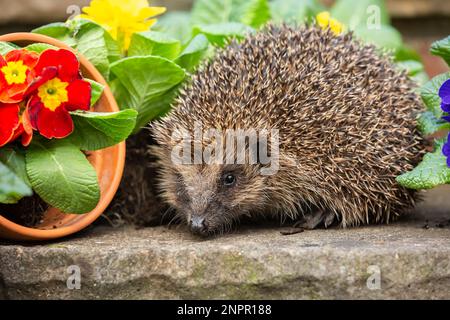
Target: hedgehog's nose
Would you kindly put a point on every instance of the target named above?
(198, 225)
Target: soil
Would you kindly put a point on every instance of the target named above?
(136, 201)
(28, 212)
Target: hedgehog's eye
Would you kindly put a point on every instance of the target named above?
(229, 179)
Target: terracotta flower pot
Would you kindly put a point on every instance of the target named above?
(109, 163)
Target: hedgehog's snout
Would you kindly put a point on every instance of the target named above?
(198, 225)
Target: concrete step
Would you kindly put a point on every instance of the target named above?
(401, 260)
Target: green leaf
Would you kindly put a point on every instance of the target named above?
(360, 13)
(14, 159)
(6, 47)
(429, 124)
(97, 91)
(430, 96)
(219, 34)
(39, 47)
(158, 106)
(62, 176)
(154, 43)
(15, 184)
(405, 53)
(205, 12)
(386, 37)
(421, 78)
(431, 172)
(254, 13)
(96, 45)
(412, 67)
(441, 48)
(12, 188)
(58, 30)
(95, 131)
(194, 52)
(294, 11)
(140, 80)
(176, 24)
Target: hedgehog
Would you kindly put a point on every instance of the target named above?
(345, 117)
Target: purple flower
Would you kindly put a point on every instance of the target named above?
(444, 94)
(446, 150)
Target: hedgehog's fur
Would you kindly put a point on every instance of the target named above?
(346, 118)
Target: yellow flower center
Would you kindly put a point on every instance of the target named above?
(15, 72)
(325, 21)
(53, 93)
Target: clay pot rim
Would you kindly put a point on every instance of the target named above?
(13, 230)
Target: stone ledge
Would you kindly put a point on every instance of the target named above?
(158, 263)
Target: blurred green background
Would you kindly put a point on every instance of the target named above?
(420, 21)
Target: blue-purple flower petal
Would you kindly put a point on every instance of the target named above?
(446, 118)
(444, 92)
(445, 107)
(446, 149)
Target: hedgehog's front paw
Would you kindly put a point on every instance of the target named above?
(319, 218)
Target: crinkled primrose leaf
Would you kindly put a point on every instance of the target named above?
(62, 175)
(154, 43)
(40, 47)
(412, 67)
(406, 53)
(96, 130)
(254, 13)
(430, 94)
(58, 30)
(441, 48)
(193, 53)
(12, 187)
(141, 81)
(14, 159)
(176, 24)
(6, 47)
(431, 172)
(96, 90)
(219, 34)
(96, 45)
(429, 124)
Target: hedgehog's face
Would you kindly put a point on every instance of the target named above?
(209, 198)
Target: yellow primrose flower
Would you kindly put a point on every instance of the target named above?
(325, 21)
(122, 18)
